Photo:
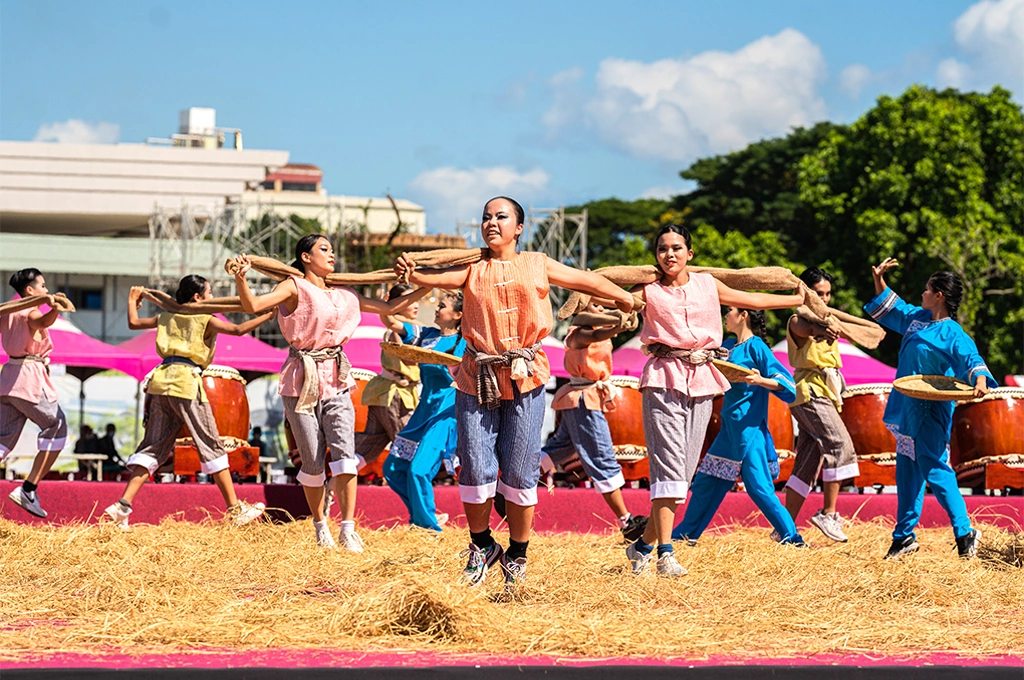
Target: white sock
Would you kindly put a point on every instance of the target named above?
(348, 526)
(321, 524)
(624, 520)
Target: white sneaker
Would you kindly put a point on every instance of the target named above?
(28, 501)
(324, 538)
(351, 542)
(830, 525)
(669, 567)
(243, 513)
(442, 519)
(119, 516)
(637, 559)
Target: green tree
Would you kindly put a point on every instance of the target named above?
(618, 231)
(934, 179)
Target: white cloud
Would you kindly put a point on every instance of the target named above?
(952, 73)
(990, 35)
(665, 192)
(853, 78)
(680, 109)
(449, 194)
(74, 131)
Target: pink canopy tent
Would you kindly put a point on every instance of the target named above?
(249, 356)
(858, 367)
(85, 356)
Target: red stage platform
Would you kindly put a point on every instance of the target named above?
(575, 510)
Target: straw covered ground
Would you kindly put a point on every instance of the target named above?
(181, 586)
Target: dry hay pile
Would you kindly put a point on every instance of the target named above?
(181, 586)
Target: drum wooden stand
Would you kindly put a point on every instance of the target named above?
(863, 408)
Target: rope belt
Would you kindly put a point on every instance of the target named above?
(607, 390)
(520, 360)
(28, 358)
(310, 394)
(697, 357)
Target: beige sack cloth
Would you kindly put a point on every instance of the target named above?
(863, 332)
(61, 303)
(211, 306)
(618, 318)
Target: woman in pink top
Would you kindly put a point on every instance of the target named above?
(499, 400)
(26, 391)
(682, 333)
(317, 321)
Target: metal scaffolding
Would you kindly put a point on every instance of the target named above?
(561, 236)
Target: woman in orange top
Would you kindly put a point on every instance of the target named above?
(583, 428)
(500, 383)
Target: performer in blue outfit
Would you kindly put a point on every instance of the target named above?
(430, 435)
(744, 446)
(933, 344)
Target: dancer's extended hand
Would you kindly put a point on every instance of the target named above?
(244, 265)
(887, 264)
(404, 267)
(980, 387)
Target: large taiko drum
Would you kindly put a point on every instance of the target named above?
(361, 377)
(989, 427)
(626, 423)
(863, 408)
(225, 390)
(780, 425)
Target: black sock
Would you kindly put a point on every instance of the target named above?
(516, 549)
(125, 504)
(482, 539)
(29, 487)
(665, 549)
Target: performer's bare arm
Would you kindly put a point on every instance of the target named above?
(759, 380)
(136, 323)
(449, 278)
(584, 337)
(878, 273)
(745, 300)
(588, 282)
(390, 308)
(37, 321)
(285, 293)
(217, 327)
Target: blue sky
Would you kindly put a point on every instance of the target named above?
(447, 103)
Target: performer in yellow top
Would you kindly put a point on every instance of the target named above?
(391, 397)
(186, 342)
(823, 443)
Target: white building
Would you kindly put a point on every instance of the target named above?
(82, 213)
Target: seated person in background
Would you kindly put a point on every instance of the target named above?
(107, 445)
(86, 440)
(257, 440)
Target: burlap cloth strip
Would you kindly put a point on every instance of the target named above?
(61, 303)
(211, 306)
(751, 278)
(863, 332)
(617, 318)
(447, 257)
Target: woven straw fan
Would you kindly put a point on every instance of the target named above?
(411, 354)
(934, 388)
(733, 372)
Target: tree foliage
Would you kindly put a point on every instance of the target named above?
(934, 178)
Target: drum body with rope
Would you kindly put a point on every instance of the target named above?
(362, 377)
(225, 392)
(988, 437)
(863, 409)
